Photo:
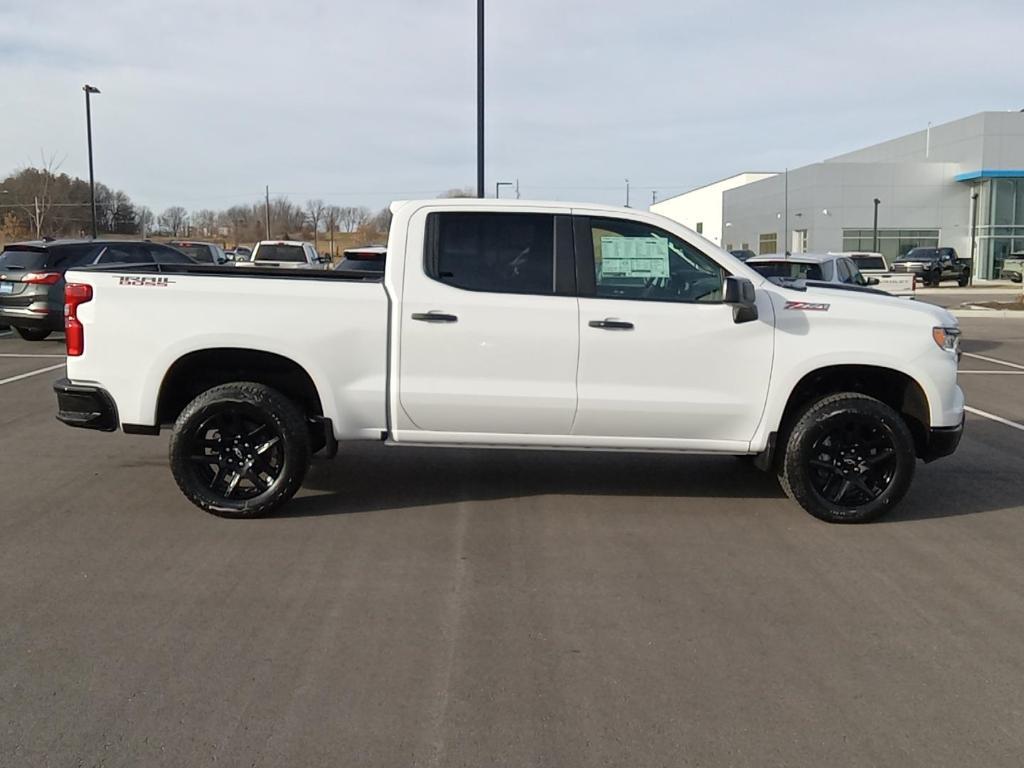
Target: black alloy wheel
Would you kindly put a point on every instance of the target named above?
(237, 452)
(852, 463)
(240, 450)
(848, 458)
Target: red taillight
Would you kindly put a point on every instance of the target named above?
(41, 278)
(75, 294)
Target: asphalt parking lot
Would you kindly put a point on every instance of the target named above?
(506, 608)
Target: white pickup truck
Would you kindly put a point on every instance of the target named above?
(291, 254)
(514, 324)
(874, 265)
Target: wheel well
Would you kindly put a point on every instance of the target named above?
(197, 372)
(894, 388)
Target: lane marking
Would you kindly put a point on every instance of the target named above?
(997, 373)
(985, 414)
(16, 354)
(31, 373)
(993, 360)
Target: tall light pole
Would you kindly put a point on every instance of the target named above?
(480, 98)
(89, 90)
(627, 193)
(874, 229)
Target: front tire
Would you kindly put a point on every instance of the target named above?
(32, 334)
(240, 450)
(849, 459)
(963, 280)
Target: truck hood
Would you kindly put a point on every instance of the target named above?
(873, 306)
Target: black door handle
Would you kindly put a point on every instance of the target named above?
(612, 325)
(434, 317)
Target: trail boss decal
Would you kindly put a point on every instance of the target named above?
(157, 282)
(807, 306)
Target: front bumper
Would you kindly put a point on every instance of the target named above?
(85, 406)
(942, 441)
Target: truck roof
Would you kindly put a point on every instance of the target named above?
(284, 242)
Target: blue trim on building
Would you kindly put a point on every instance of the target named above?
(987, 174)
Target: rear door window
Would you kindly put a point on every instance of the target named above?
(493, 252)
(117, 253)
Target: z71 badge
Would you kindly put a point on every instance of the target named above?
(158, 282)
(808, 306)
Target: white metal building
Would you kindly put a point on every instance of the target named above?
(701, 209)
(958, 184)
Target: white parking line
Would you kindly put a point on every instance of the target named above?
(31, 373)
(985, 414)
(16, 354)
(993, 360)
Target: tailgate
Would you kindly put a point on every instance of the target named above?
(899, 284)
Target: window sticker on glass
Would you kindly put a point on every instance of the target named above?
(634, 257)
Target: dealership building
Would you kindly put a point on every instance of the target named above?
(958, 184)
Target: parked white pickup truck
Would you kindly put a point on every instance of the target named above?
(290, 254)
(515, 324)
(875, 265)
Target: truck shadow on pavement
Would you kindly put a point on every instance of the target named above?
(379, 478)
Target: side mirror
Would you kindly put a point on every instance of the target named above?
(739, 293)
(325, 259)
(872, 281)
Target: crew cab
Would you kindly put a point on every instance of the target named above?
(499, 324)
(291, 254)
(933, 265)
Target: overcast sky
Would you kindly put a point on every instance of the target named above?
(205, 101)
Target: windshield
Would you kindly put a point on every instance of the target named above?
(926, 254)
(788, 270)
(197, 251)
(280, 252)
(869, 262)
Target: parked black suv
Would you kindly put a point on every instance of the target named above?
(32, 277)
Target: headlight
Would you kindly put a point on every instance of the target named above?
(947, 338)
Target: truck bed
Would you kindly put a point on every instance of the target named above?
(142, 319)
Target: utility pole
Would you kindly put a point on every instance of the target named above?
(89, 90)
(654, 196)
(480, 98)
(627, 193)
(267, 209)
(517, 189)
(874, 230)
(39, 223)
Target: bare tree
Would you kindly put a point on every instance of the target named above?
(38, 199)
(204, 220)
(174, 219)
(380, 223)
(144, 218)
(332, 220)
(353, 218)
(315, 214)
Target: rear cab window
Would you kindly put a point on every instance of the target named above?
(869, 262)
(281, 252)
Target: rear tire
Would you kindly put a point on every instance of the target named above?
(848, 459)
(32, 334)
(240, 450)
(963, 280)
